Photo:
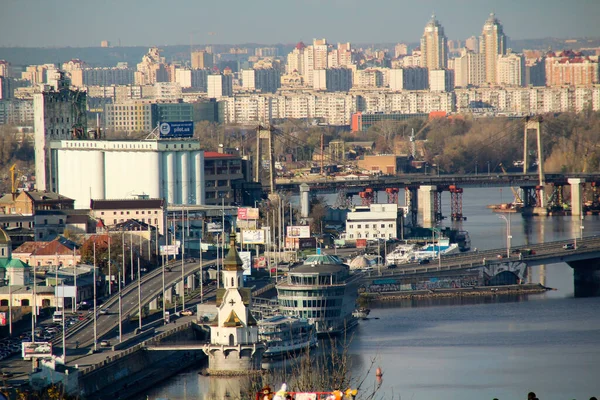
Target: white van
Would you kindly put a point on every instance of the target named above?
(57, 316)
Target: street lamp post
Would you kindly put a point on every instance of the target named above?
(508, 235)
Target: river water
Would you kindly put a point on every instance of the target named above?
(471, 349)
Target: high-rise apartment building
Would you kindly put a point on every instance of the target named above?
(59, 114)
(219, 86)
(441, 80)
(333, 79)
(510, 70)
(202, 59)
(5, 69)
(295, 59)
(535, 72)
(491, 44)
(469, 69)
(265, 80)
(571, 68)
(409, 78)
(472, 44)
(400, 50)
(434, 46)
(152, 69)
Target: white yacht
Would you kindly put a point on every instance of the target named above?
(285, 335)
(323, 291)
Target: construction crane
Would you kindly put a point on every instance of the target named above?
(518, 199)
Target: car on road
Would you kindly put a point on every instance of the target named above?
(424, 261)
(569, 246)
(104, 311)
(187, 312)
(105, 343)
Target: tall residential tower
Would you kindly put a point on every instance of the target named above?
(434, 46)
(492, 43)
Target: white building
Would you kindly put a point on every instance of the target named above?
(377, 221)
(492, 43)
(434, 46)
(234, 344)
(441, 80)
(59, 114)
(469, 69)
(219, 86)
(102, 169)
(510, 70)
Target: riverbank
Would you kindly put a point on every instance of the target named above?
(475, 291)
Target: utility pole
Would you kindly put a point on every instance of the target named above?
(182, 260)
(322, 152)
(120, 311)
(95, 311)
(201, 272)
(109, 269)
(139, 295)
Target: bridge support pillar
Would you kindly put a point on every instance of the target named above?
(153, 304)
(410, 200)
(169, 295)
(179, 288)
(427, 204)
(576, 196)
(586, 277)
(191, 282)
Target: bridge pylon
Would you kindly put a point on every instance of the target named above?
(367, 196)
(456, 203)
(392, 194)
(410, 199)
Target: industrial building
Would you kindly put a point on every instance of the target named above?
(119, 169)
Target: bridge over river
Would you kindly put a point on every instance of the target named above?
(584, 258)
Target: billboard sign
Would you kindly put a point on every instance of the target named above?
(259, 262)
(253, 236)
(169, 250)
(214, 227)
(299, 231)
(31, 350)
(181, 129)
(64, 291)
(247, 213)
(246, 257)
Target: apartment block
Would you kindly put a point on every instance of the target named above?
(409, 78)
(510, 70)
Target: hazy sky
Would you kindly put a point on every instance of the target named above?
(152, 22)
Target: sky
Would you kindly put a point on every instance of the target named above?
(83, 23)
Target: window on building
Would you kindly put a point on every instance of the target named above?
(358, 226)
(367, 226)
(383, 225)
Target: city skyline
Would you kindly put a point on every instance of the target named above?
(68, 23)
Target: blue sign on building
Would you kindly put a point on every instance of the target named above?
(182, 129)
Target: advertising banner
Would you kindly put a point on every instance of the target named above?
(259, 262)
(247, 213)
(253, 236)
(169, 250)
(181, 129)
(300, 231)
(69, 291)
(214, 227)
(36, 350)
(246, 257)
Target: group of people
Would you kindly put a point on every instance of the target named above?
(282, 394)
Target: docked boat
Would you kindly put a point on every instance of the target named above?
(284, 335)
(361, 313)
(323, 291)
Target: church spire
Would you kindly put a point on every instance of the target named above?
(232, 261)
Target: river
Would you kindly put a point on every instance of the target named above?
(502, 347)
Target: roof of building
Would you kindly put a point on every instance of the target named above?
(58, 246)
(133, 225)
(12, 263)
(322, 259)
(4, 238)
(232, 261)
(319, 269)
(29, 247)
(214, 154)
(118, 204)
(39, 195)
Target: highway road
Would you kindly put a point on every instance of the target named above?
(151, 286)
(543, 253)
